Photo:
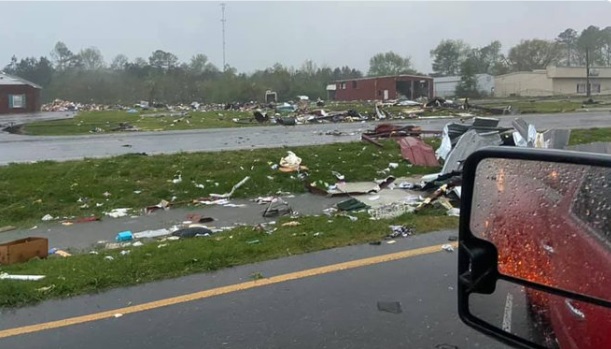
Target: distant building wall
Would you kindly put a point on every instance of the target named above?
(535, 83)
(19, 99)
(446, 86)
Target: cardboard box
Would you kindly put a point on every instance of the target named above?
(23, 250)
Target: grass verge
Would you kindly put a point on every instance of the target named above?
(89, 273)
(591, 135)
(85, 122)
(30, 191)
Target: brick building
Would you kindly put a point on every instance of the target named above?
(18, 95)
(382, 88)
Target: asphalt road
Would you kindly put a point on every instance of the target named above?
(338, 309)
(19, 148)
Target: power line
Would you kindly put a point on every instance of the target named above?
(223, 24)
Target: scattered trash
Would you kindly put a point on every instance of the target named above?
(5, 276)
(162, 245)
(228, 195)
(177, 179)
(390, 242)
(192, 232)
(118, 212)
(59, 252)
(317, 234)
(253, 242)
(47, 217)
(339, 176)
(46, 288)
(109, 258)
(390, 307)
(291, 224)
(393, 165)
(454, 212)
(137, 244)
(151, 234)
(447, 247)
(124, 236)
(117, 315)
(291, 163)
(276, 208)
(400, 231)
(417, 152)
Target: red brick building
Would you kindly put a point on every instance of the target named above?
(18, 95)
(382, 88)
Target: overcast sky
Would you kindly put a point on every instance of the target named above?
(259, 34)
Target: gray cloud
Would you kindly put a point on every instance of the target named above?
(260, 34)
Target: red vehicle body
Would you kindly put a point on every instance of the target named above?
(551, 225)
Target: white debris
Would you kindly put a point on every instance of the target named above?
(109, 258)
(137, 244)
(117, 212)
(228, 195)
(117, 315)
(454, 212)
(5, 276)
(47, 217)
(447, 247)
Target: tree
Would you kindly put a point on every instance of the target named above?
(163, 60)
(489, 59)
(91, 59)
(568, 41)
(63, 57)
(120, 62)
(448, 56)
(199, 64)
(389, 63)
(533, 54)
(592, 40)
(467, 87)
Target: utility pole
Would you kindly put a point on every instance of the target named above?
(223, 24)
(588, 90)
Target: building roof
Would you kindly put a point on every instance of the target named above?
(387, 76)
(6, 79)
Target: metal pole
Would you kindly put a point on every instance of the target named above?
(223, 24)
(588, 90)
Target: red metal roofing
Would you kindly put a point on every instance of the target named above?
(417, 152)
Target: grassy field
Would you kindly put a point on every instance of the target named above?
(590, 135)
(85, 122)
(89, 273)
(30, 191)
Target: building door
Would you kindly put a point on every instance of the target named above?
(385, 95)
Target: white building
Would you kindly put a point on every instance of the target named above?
(446, 86)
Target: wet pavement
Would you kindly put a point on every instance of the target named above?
(332, 310)
(85, 235)
(19, 148)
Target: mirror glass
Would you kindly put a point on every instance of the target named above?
(551, 222)
(544, 319)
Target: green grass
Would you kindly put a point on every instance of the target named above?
(30, 191)
(591, 135)
(84, 122)
(88, 273)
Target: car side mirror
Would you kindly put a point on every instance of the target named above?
(534, 266)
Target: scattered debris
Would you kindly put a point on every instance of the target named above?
(276, 208)
(447, 248)
(291, 224)
(47, 217)
(228, 195)
(192, 232)
(118, 212)
(59, 252)
(5, 276)
(400, 231)
(417, 152)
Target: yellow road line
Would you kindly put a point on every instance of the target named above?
(220, 291)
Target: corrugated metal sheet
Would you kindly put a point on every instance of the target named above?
(417, 152)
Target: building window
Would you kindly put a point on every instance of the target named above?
(354, 84)
(594, 88)
(379, 93)
(343, 86)
(16, 101)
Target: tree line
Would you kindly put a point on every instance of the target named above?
(86, 77)
(568, 49)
